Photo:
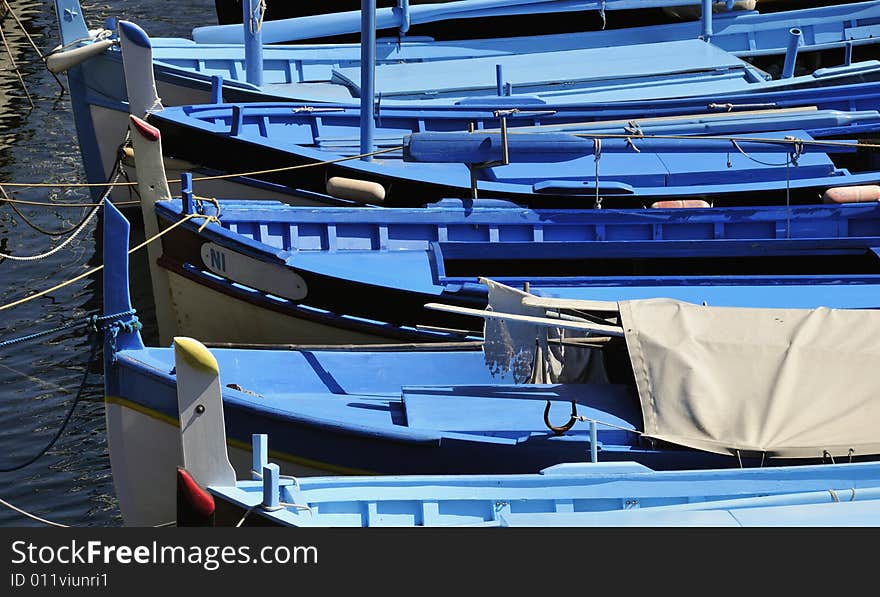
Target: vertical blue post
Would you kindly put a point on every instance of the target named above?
(237, 124)
(252, 21)
(260, 458)
(847, 57)
(499, 79)
(794, 42)
(270, 486)
(368, 74)
(216, 89)
(187, 205)
(707, 20)
(594, 442)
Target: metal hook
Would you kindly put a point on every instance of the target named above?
(566, 426)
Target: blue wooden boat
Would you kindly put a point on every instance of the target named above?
(185, 70)
(547, 164)
(720, 160)
(230, 12)
(569, 494)
(440, 410)
(606, 498)
(281, 274)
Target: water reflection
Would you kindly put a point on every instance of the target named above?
(72, 484)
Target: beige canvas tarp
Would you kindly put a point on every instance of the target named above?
(785, 382)
(788, 383)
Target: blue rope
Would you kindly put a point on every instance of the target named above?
(94, 336)
(92, 323)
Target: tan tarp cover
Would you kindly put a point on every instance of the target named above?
(785, 382)
(788, 383)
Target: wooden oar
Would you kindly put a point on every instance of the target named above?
(593, 328)
(657, 119)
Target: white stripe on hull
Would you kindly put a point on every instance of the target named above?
(144, 454)
(211, 316)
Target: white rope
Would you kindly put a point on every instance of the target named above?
(33, 516)
(79, 228)
(244, 516)
(68, 240)
(256, 23)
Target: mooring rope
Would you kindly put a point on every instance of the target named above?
(31, 41)
(32, 516)
(15, 68)
(110, 321)
(94, 270)
(255, 20)
(91, 322)
(74, 232)
(86, 185)
(93, 351)
(73, 235)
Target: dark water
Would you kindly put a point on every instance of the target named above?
(72, 483)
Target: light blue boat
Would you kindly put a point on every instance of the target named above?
(186, 71)
(575, 494)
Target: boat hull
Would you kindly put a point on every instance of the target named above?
(217, 316)
(277, 274)
(98, 94)
(144, 446)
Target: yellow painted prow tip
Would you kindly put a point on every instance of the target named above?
(196, 355)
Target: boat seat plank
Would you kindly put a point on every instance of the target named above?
(507, 407)
(594, 64)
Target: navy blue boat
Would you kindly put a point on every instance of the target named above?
(281, 274)
(314, 152)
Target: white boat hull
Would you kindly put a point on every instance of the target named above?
(211, 316)
(144, 454)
